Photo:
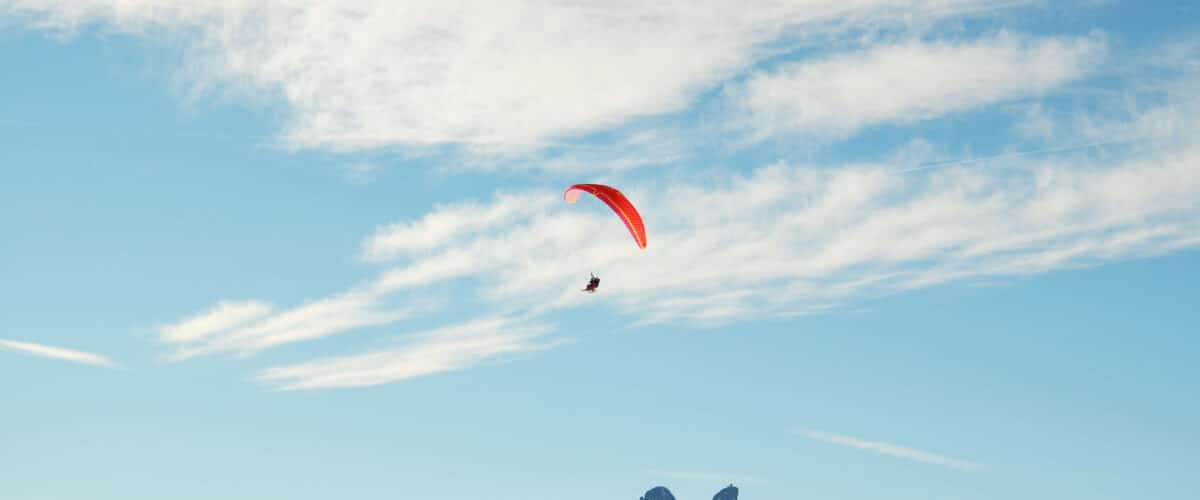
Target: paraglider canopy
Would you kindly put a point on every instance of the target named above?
(617, 202)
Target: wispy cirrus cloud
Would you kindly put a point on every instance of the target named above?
(445, 224)
(891, 450)
(834, 96)
(519, 75)
(782, 239)
(787, 238)
(256, 330)
(776, 241)
(58, 353)
(223, 316)
(441, 350)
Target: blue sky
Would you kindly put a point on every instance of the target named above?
(905, 250)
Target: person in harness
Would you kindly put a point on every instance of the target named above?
(592, 285)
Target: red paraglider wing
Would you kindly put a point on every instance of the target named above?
(617, 202)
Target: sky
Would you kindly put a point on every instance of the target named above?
(920, 249)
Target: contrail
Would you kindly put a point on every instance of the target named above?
(1016, 154)
(889, 449)
(58, 353)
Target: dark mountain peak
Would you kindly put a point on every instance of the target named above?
(729, 493)
(659, 493)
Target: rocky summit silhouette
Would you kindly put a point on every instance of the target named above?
(658, 493)
(729, 493)
(662, 493)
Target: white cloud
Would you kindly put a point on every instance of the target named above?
(223, 316)
(635, 149)
(59, 353)
(442, 226)
(494, 75)
(837, 95)
(780, 240)
(1165, 117)
(789, 239)
(446, 349)
(890, 450)
(313, 320)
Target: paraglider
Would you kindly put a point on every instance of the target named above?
(592, 285)
(618, 203)
(621, 206)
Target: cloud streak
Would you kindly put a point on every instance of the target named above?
(838, 95)
(313, 320)
(890, 450)
(518, 75)
(785, 239)
(777, 241)
(58, 353)
(444, 225)
(224, 316)
(441, 350)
